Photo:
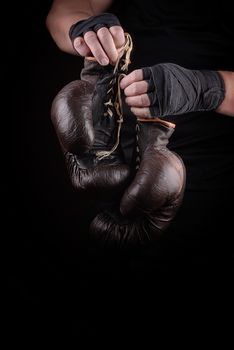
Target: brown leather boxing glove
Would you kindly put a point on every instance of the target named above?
(87, 125)
(150, 203)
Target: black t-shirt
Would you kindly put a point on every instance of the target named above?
(196, 35)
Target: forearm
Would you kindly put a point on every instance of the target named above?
(64, 13)
(227, 106)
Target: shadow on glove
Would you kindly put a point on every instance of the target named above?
(151, 201)
(87, 126)
(141, 198)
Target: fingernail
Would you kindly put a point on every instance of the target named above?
(104, 61)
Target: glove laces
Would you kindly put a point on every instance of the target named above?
(114, 103)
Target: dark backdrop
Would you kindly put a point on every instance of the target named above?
(45, 221)
(51, 268)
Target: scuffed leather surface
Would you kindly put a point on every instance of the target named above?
(82, 128)
(150, 203)
(151, 198)
(158, 186)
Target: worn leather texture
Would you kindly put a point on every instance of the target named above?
(151, 201)
(83, 129)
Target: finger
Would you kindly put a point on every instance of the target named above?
(138, 101)
(107, 42)
(137, 88)
(136, 75)
(81, 47)
(118, 36)
(92, 42)
(141, 112)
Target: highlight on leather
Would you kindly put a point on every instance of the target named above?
(143, 197)
(87, 116)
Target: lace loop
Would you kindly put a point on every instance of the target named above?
(114, 102)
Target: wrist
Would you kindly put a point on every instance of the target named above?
(227, 105)
(175, 90)
(211, 88)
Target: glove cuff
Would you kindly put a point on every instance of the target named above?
(92, 71)
(157, 120)
(156, 134)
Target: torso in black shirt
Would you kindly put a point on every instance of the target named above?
(195, 35)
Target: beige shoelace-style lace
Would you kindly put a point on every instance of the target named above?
(114, 103)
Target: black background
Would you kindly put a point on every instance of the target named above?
(51, 271)
(45, 222)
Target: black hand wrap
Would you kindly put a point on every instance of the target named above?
(93, 23)
(175, 90)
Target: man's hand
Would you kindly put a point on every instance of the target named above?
(99, 36)
(136, 92)
(168, 89)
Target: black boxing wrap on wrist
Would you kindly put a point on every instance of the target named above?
(93, 23)
(175, 90)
